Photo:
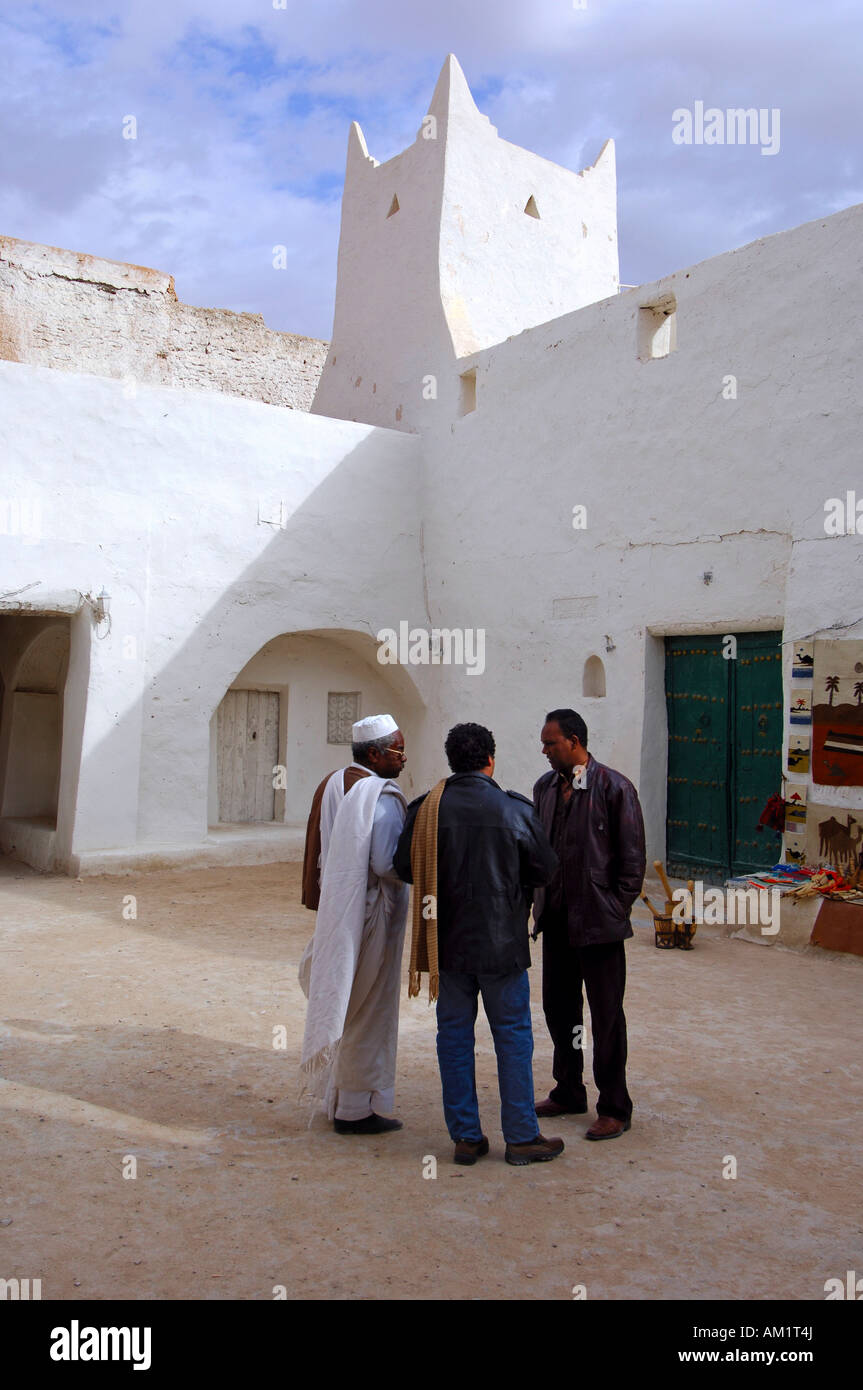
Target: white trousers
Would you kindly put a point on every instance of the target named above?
(357, 1105)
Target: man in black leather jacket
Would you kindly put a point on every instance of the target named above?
(593, 819)
(492, 853)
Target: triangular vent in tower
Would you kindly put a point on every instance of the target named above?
(394, 207)
(531, 208)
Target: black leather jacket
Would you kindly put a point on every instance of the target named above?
(492, 853)
(603, 869)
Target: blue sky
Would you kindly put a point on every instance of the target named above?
(243, 111)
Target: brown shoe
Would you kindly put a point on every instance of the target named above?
(549, 1109)
(467, 1152)
(607, 1127)
(539, 1150)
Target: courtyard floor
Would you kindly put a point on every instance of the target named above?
(152, 1037)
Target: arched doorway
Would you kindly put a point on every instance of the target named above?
(34, 660)
(284, 723)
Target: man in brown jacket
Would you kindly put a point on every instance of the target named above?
(593, 819)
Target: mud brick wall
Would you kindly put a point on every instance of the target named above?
(78, 313)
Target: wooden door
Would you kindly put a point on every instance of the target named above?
(724, 753)
(247, 751)
(756, 771)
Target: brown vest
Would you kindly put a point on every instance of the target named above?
(311, 884)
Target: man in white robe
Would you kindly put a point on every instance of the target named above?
(352, 971)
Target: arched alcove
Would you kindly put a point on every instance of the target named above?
(593, 679)
(36, 659)
(290, 708)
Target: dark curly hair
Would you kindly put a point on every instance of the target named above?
(571, 724)
(468, 747)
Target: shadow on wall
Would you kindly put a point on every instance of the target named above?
(322, 574)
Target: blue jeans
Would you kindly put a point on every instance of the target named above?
(506, 999)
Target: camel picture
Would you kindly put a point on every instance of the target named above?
(798, 752)
(838, 840)
(801, 667)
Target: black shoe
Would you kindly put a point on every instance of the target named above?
(549, 1109)
(539, 1150)
(372, 1124)
(467, 1151)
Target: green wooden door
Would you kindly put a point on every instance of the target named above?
(757, 748)
(724, 753)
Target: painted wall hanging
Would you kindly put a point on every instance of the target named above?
(798, 752)
(800, 706)
(837, 714)
(802, 662)
(795, 807)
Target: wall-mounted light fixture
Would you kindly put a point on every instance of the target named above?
(102, 606)
(609, 645)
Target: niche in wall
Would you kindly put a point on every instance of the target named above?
(468, 392)
(593, 678)
(657, 328)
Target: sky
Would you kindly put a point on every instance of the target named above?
(242, 112)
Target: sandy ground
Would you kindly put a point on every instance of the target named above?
(153, 1038)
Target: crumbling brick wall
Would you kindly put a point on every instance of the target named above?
(78, 313)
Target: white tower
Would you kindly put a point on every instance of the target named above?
(457, 243)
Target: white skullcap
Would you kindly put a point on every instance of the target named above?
(372, 727)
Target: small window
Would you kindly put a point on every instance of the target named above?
(343, 711)
(394, 207)
(531, 208)
(468, 392)
(657, 328)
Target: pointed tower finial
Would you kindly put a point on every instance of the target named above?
(358, 153)
(606, 162)
(452, 96)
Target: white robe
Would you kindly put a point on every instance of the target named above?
(334, 795)
(349, 1048)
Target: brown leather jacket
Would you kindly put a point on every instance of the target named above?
(603, 870)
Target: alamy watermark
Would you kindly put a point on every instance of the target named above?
(844, 516)
(77, 1343)
(850, 1287)
(728, 906)
(21, 516)
(437, 646)
(737, 125)
(16, 1290)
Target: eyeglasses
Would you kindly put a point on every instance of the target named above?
(398, 752)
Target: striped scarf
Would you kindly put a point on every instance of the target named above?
(424, 874)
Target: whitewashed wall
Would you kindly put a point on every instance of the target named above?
(157, 500)
(676, 480)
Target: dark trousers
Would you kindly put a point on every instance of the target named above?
(601, 970)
